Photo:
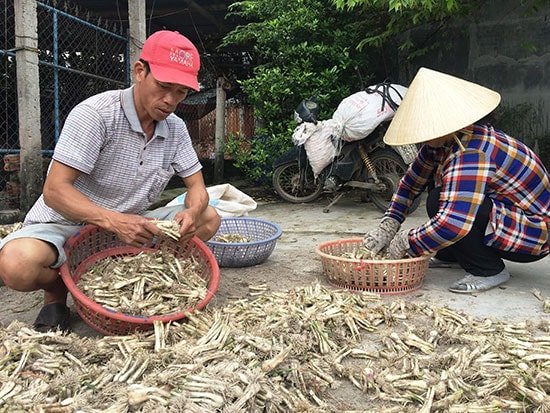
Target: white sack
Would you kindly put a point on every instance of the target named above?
(359, 114)
(318, 142)
(226, 199)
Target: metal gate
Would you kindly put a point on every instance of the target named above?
(78, 57)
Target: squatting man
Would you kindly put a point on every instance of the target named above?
(115, 155)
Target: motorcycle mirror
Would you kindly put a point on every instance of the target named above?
(307, 110)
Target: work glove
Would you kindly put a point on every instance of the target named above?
(380, 237)
(399, 245)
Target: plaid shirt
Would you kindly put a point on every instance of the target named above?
(491, 164)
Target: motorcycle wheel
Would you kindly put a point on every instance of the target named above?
(389, 167)
(294, 186)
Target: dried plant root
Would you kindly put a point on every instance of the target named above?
(363, 254)
(170, 228)
(149, 283)
(285, 351)
(232, 238)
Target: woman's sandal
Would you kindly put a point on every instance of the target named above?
(473, 284)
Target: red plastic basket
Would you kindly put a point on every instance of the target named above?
(379, 276)
(91, 244)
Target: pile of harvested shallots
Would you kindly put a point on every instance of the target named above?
(311, 349)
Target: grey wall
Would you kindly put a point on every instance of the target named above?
(505, 47)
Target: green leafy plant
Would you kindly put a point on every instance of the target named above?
(403, 15)
(298, 49)
(303, 47)
(330, 47)
(254, 157)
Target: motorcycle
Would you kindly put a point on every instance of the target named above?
(367, 165)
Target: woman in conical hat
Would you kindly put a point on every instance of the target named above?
(488, 193)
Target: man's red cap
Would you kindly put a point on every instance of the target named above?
(172, 58)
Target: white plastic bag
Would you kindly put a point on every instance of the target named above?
(318, 141)
(226, 199)
(360, 113)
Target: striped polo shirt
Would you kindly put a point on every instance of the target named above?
(102, 137)
(492, 164)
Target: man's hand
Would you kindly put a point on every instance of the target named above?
(399, 245)
(133, 230)
(187, 224)
(380, 237)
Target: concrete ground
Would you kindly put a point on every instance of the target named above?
(308, 225)
(294, 263)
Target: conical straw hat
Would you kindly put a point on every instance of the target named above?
(436, 105)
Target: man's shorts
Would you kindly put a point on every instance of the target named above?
(57, 234)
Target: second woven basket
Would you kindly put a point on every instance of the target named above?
(379, 276)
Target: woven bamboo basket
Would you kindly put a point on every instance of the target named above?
(379, 276)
